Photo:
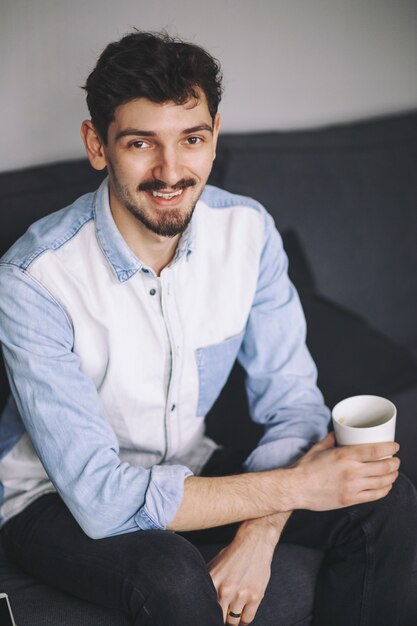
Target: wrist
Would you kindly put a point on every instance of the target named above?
(261, 530)
(285, 489)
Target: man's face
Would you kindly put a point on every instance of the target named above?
(159, 157)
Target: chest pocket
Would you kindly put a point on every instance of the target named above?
(214, 366)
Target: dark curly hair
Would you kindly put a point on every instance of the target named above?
(153, 66)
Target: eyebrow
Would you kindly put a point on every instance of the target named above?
(196, 129)
(127, 132)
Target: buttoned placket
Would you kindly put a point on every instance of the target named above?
(171, 317)
(160, 293)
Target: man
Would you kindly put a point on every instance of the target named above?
(120, 319)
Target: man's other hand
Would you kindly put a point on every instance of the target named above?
(241, 571)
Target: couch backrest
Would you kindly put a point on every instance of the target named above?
(29, 194)
(350, 194)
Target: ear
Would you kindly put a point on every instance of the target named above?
(93, 145)
(216, 130)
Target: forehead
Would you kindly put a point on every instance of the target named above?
(160, 117)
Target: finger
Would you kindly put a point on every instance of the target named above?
(380, 468)
(234, 614)
(373, 451)
(249, 613)
(378, 482)
(373, 494)
(224, 607)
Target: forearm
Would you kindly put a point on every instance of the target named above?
(326, 478)
(209, 502)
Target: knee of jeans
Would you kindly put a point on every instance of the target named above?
(173, 563)
(403, 495)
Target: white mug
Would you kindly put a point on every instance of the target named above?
(364, 419)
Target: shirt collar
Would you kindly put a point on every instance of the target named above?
(122, 260)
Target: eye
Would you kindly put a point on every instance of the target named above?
(139, 144)
(193, 141)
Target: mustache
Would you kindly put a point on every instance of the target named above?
(157, 185)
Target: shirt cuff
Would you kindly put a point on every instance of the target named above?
(163, 496)
(280, 453)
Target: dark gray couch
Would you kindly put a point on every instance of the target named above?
(345, 200)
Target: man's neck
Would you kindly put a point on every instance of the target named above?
(157, 254)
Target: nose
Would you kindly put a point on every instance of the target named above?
(168, 166)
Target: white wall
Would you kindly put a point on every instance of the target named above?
(287, 63)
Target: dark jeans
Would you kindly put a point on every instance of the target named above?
(160, 578)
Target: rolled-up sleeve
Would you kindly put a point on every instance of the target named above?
(60, 409)
(281, 375)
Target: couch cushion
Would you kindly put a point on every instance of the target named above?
(352, 357)
(406, 431)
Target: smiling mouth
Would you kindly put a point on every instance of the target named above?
(166, 196)
(164, 193)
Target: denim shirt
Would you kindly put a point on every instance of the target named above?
(113, 368)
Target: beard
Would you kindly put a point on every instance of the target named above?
(166, 222)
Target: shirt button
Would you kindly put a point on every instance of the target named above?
(145, 270)
(173, 407)
(152, 292)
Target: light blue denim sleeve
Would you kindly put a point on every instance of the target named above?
(59, 406)
(281, 375)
